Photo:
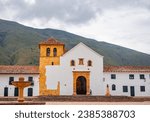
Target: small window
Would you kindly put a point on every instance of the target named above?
(131, 76)
(48, 52)
(72, 63)
(81, 61)
(10, 80)
(142, 88)
(113, 76)
(30, 79)
(16, 91)
(142, 76)
(125, 88)
(30, 91)
(5, 91)
(103, 79)
(113, 87)
(55, 52)
(89, 63)
(52, 63)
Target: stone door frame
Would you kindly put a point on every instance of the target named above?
(85, 74)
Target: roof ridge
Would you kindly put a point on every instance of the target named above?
(51, 40)
(18, 69)
(126, 68)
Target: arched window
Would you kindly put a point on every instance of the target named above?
(113, 87)
(89, 63)
(72, 63)
(81, 61)
(48, 52)
(55, 52)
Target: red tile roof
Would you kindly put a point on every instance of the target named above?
(19, 69)
(51, 41)
(35, 69)
(127, 69)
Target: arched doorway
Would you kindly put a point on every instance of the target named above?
(81, 85)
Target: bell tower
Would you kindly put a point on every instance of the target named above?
(50, 52)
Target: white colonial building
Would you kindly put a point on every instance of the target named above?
(128, 80)
(12, 73)
(79, 71)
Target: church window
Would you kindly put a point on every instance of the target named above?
(72, 63)
(89, 63)
(113, 87)
(48, 52)
(81, 61)
(55, 52)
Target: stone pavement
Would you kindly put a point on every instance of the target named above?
(21, 103)
(77, 100)
(98, 103)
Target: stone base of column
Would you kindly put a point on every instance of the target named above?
(20, 99)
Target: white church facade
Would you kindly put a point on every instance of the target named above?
(79, 71)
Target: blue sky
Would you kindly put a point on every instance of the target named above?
(122, 22)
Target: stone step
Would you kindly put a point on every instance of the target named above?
(79, 99)
(15, 98)
(22, 103)
(90, 98)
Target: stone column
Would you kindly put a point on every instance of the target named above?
(88, 86)
(21, 98)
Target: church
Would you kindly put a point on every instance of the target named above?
(78, 71)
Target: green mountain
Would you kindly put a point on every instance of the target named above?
(19, 46)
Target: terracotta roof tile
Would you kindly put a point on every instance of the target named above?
(51, 41)
(35, 69)
(126, 68)
(19, 69)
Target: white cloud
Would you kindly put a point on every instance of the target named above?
(121, 22)
(30, 2)
(125, 27)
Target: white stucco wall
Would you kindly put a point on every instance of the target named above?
(122, 79)
(63, 73)
(4, 82)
